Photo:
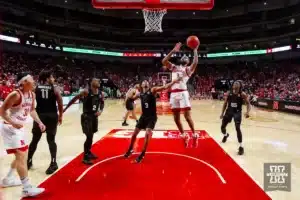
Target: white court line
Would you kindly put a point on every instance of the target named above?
(251, 177)
(165, 153)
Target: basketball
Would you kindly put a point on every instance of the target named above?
(192, 42)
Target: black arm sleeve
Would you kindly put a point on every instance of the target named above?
(102, 103)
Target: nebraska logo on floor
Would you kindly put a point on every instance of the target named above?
(172, 134)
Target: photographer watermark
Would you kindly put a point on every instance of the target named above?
(277, 176)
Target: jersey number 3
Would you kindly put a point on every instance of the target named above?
(146, 105)
(44, 93)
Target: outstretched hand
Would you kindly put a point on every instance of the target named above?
(177, 47)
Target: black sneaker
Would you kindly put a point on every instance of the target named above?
(52, 168)
(140, 158)
(225, 138)
(124, 124)
(241, 151)
(29, 164)
(92, 156)
(128, 154)
(86, 160)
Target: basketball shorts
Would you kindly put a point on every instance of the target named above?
(146, 122)
(13, 139)
(50, 120)
(89, 123)
(237, 116)
(129, 104)
(180, 101)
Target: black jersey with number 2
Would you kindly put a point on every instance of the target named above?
(148, 101)
(235, 102)
(45, 99)
(91, 102)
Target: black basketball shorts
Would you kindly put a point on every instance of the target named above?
(146, 122)
(237, 116)
(50, 120)
(129, 104)
(89, 123)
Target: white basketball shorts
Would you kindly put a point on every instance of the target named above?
(13, 139)
(180, 101)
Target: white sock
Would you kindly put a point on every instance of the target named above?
(25, 182)
(226, 134)
(241, 145)
(10, 172)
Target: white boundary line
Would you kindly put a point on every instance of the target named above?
(165, 153)
(251, 177)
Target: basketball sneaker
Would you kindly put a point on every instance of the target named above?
(32, 191)
(128, 153)
(11, 182)
(86, 160)
(52, 168)
(225, 138)
(196, 137)
(92, 156)
(186, 138)
(124, 124)
(140, 158)
(241, 151)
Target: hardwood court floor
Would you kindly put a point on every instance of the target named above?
(268, 137)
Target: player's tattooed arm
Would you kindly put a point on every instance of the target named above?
(60, 104)
(77, 97)
(195, 61)
(13, 98)
(246, 99)
(166, 59)
(35, 116)
(167, 86)
(225, 104)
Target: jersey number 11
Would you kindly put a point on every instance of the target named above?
(44, 93)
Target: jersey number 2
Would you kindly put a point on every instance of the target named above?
(44, 93)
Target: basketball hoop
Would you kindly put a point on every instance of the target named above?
(153, 18)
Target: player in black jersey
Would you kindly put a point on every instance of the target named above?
(47, 95)
(93, 104)
(233, 105)
(148, 118)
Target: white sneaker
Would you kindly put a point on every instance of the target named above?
(11, 182)
(196, 135)
(32, 191)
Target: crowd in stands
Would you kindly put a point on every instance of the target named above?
(264, 80)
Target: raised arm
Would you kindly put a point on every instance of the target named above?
(166, 59)
(12, 99)
(195, 61)
(246, 99)
(224, 105)
(81, 94)
(167, 86)
(60, 104)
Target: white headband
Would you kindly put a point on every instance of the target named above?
(24, 78)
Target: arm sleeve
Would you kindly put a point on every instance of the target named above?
(102, 102)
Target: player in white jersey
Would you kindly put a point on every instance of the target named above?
(180, 99)
(130, 104)
(14, 112)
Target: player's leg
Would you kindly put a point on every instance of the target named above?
(51, 130)
(36, 136)
(226, 119)
(237, 121)
(28, 189)
(150, 126)
(129, 109)
(94, 130)
(86, 124)
(185, 104)
(132, 142)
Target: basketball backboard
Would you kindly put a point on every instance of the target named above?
(164, 4)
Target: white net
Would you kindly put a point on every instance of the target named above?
(153, 19)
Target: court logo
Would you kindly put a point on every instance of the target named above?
(277, 176)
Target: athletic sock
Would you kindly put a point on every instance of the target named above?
(25, 182)
(241, 145)
(10, 172)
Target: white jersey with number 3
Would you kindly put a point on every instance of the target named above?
(178, 72)
(19, 113)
